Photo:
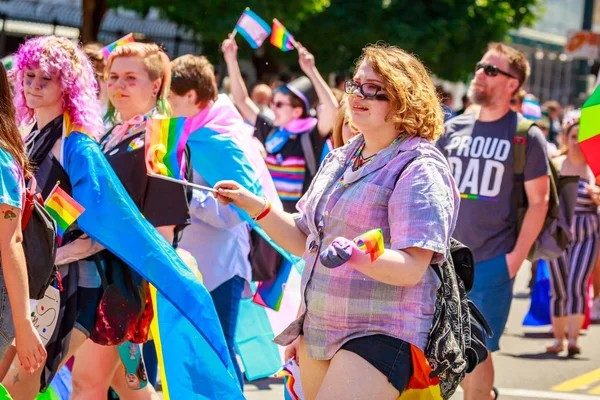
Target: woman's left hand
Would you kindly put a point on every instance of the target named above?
(343, 251)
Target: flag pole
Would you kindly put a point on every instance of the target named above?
(166, 178)
(51, 192)
(233, 33)
(294, 43)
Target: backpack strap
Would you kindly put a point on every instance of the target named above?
(518, 197)
(520, 144)
(29, 203)
(309, 153)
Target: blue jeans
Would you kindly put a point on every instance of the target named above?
(227, 298)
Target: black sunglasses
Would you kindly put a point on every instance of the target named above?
(280, 104)
(367, 90)
(492, 70)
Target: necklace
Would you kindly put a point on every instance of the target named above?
(357, 161)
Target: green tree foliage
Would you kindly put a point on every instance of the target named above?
(214, 19)
(449, 36)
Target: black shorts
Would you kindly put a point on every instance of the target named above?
(391, 356)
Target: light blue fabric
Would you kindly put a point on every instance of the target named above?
(206, 148)
(11, 181)
(108, 210)
(214, 223)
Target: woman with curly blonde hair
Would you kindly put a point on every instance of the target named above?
(359, 317)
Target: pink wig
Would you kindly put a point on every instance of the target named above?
(58, 56)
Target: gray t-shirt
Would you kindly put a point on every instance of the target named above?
(480, 155)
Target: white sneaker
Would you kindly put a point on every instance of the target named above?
(596, 310)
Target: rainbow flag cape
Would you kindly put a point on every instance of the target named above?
(63, 208)
(195, 338)
(109, 49)
(371, 242)
(165, 146)
(253, 28)
(421, 386)
(281, 38)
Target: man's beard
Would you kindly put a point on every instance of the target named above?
(478, 97)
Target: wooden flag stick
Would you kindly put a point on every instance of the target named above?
(233, 33)
(166, 178)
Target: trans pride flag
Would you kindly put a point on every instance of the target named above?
(253, 28)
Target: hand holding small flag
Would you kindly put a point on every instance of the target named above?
(361, 251)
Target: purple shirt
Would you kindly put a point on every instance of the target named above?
(417, 209)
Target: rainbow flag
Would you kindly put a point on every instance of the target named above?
(291, 380)
(371, 242)
(270, 293)
(63, 208)
(253, 28)
(109, 49)
(281, 38)
(421, 386)
(165, 146)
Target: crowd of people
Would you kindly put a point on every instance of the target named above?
(381, 150)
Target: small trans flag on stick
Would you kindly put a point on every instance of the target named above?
(109, 49)
(166, 139)
(63, 208)
(281, 38)
(253, 28)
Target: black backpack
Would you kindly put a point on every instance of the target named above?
(457, 340)
(556, 233)
(39, 243)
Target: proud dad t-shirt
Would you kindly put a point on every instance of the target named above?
(480, 155)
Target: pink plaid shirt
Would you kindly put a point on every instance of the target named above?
(417, 209)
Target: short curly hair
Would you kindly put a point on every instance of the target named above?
(415, 106)
(60, 57)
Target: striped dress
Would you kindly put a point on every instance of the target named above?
(570, 273)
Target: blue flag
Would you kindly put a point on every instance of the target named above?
(109, 211)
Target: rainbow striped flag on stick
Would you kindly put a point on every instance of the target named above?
(281, 38)
(165, 148)
(371, 242)
(253, 28)
(109, 49)
(63, 208)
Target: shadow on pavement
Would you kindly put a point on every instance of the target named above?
(264, 384)
(545, 356)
